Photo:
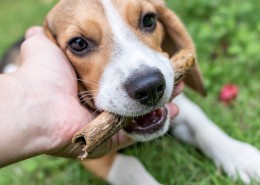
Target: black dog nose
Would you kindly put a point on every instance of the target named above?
(146, 87)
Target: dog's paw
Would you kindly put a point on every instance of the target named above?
(239, 160)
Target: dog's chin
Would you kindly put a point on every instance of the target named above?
(149, 126)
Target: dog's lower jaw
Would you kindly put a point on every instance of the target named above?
(150, 135)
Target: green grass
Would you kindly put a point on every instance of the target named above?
(227, 37)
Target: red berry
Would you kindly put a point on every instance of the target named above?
(228, 93)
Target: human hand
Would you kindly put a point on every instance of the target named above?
(44, 95)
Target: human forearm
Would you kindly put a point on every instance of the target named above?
(20, 138)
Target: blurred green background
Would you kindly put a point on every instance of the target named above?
(227, 36)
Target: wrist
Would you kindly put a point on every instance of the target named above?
(23, 137)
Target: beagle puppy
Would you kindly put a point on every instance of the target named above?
(120, 51)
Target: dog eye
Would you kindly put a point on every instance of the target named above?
(80, 46)
(148, 22)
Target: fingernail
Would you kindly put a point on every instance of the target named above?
(32, 31)
(29, 33)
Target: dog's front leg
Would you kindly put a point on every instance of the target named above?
(119, 169)
(234, 157)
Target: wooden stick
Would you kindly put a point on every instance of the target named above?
(95, 133)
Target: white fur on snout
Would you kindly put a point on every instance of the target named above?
(129, 55)
(113, 96)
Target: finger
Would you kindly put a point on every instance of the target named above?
(35, 30)
(173, 110)
(38, 52)
(37, 45)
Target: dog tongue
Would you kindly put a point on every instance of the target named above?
(148, 119)
(148, 123)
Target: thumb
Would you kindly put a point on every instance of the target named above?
(38, 46)
(36, 30)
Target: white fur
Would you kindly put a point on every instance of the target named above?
(129, 54)
(129, 171)
(236, 158)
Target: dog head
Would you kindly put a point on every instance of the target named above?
(120, 51)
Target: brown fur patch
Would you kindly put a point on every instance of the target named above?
(131, 11)
(71, 19)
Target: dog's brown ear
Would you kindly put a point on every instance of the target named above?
(177, 38)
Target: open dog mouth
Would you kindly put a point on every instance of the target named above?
(148, 123)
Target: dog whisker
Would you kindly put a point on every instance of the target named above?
(87, 81)
(86, 93)
(86, 100)
(89, 92)
(97, 110)
(85, 96)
